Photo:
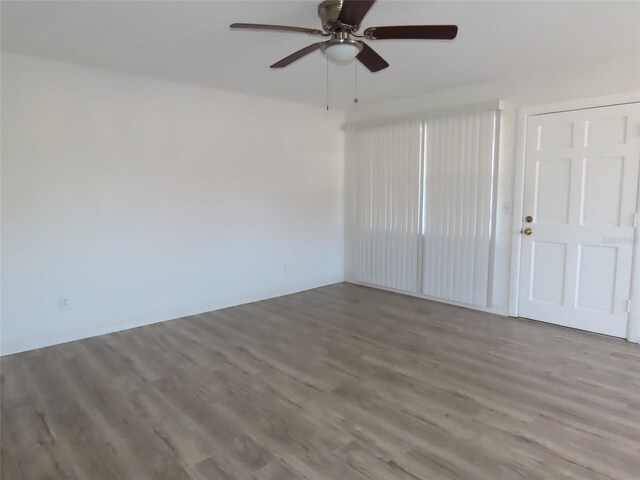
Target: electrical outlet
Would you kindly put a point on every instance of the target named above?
(63, 303)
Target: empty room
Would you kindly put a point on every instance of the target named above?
(320, 240)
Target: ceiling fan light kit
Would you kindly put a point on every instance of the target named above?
(340, 21)
(341, 53)
(341, 49)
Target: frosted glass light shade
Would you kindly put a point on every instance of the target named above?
(341, 53)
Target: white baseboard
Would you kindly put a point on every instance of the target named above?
(73, 336)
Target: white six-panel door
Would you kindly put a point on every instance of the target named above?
(581, 185)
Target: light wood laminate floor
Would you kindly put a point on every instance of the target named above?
(337, 383)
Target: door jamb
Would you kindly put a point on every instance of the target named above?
(633, 329)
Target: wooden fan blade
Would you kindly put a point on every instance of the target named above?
(416, 32)
(278, 28)
(353, 11)
(370, 59)
(297, 55)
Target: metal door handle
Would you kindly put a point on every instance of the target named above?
(527, 231)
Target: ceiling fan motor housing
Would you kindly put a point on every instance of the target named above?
(328, 11)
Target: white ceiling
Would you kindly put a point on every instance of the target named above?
(190, 41)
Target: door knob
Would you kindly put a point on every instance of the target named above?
(527, 231)
(528, 219)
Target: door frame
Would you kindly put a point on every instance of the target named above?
(633, 325)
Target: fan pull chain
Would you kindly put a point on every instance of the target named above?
(327, 83)
(355, 97)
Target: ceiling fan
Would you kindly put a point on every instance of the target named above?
(340, 21)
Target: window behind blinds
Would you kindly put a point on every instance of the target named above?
(420, 201)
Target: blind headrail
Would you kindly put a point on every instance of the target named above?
(422, 115)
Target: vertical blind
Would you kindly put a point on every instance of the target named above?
(458, 200)
(383, 204)
(420, 205)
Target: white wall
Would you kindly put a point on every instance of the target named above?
(141, 200)
(613, 76)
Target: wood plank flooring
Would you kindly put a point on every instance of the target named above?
(338, 383)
